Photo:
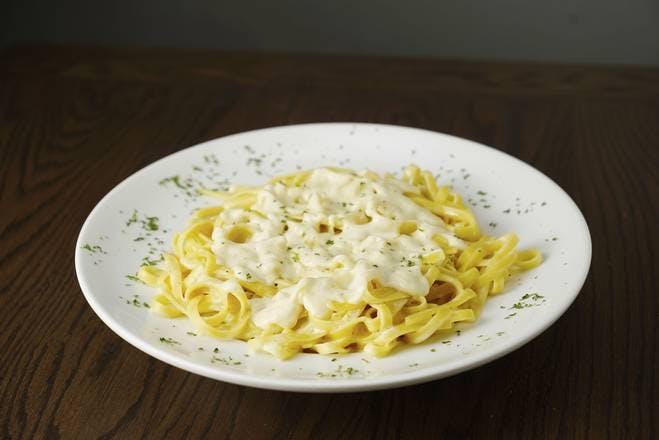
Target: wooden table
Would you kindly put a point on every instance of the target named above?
(75, 121)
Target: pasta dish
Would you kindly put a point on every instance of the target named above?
(332, 260)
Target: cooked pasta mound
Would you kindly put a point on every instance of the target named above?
(332, 260)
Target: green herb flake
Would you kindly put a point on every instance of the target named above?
(133, 218)
(169, 341)
(528, 300)
(151, 223)
(93, 249)
(176, 180)
(146, 261)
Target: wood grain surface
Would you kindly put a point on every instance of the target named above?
(75, 121)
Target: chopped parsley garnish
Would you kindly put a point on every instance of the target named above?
(151, 223)
(254, 161)
(524, 301)
(135, 301)
(93, 248)
(339, 372)
(146, 261)
(169, 341)
(329, 242)
(176, 180)
(133, 218)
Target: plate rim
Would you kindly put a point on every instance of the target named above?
(337, 385)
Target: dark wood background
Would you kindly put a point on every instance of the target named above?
(75, 121)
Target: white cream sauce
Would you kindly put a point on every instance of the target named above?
(318, 264)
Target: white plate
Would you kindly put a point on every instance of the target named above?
(505, 193)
